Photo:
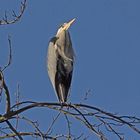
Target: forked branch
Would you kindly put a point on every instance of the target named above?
(15, 17)
(83, 113)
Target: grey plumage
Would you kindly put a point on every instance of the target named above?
(60, 60)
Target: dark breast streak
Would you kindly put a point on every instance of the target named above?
(63, 78)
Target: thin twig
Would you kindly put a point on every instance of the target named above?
(26, 134)
(10, 54)
(35, 125)
(14, 130)
(1, 82)
(17, 101)
(69, 127)
(52, 123)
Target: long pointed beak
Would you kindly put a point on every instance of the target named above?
(67, 25)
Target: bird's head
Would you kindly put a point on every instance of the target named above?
(65, 26)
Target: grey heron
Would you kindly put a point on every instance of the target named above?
(60, 60)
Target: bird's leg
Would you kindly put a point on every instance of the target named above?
(64, 104)
(61, 105)
(68, 105)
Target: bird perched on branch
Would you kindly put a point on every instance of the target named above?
(60, 60)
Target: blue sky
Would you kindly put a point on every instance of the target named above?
(106, 40)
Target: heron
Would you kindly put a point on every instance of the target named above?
(60, 61)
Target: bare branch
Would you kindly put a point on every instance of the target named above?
(14, 130)
(98, 114)
(1, 82)
(10, 54)
(35, 125)
(117, 118)
(99, 134)
(16, 17)
(11, 135)
(69, 126)
(7, 94)
(53, 122)
(17, 101)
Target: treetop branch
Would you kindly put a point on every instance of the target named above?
(16, 17)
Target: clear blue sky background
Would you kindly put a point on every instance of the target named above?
(106, 39)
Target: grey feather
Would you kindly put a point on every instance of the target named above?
(60, 61)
